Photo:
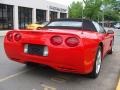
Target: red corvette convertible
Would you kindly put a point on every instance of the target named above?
(67, 45)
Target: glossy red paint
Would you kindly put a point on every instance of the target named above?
(77, 59)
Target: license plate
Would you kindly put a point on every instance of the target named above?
(33, 49)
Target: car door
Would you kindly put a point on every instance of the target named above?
(106, 38)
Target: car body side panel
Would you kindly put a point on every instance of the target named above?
(90, 43)
(107, 40)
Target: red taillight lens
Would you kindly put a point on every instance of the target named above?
(17, 37)
(72, 41)
(56, 40)
(10, 36)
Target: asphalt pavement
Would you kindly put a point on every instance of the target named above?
(16, 76)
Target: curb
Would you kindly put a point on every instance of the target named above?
(118, 86)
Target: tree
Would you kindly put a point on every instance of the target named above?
(75, 10)
(96, 9)
(111, 10)
(92, 9)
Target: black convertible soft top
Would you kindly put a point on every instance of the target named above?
(86, 24)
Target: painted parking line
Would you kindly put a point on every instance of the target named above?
(46, 87)
(118, 86)
(14, 75)
(60, 79)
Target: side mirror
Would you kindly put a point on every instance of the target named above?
(110, 32)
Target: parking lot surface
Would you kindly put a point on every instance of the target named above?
(16, 76)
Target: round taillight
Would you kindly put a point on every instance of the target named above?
(10, 36)
(72, 41)
(56, 40)
(17, 37)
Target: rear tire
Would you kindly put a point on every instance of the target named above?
(111, 50)
(97, 64)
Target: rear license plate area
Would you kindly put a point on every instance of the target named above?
(34, 49)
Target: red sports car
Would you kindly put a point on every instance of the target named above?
(67, 45)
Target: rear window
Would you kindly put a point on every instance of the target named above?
(74, 24)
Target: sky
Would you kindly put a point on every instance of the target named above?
(64, 2)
